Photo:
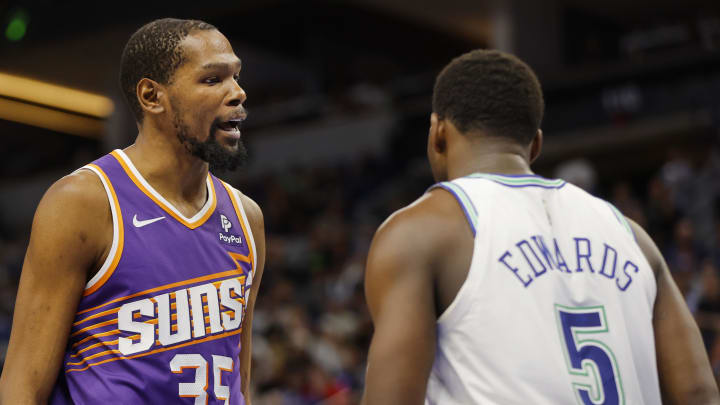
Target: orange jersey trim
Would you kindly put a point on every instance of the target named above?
(149, 322)
(236, 204)
(106, 344)
(112, 332)
(121, 235)
(236, 257)
(240, 299)
(93, 356)
(191, 225)
(232, 366)
(207, 339)
(97, 325)
(208, 331)
(98, 315)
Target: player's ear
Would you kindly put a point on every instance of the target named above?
(149, 94)
(536, 145)
(438, 134)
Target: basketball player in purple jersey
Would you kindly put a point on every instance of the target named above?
(485, 290)
(142, 271)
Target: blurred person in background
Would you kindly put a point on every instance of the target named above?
(143, 268)
(488, 287)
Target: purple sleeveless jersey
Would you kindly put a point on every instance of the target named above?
(160, 322)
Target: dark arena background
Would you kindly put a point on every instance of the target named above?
(339, 98)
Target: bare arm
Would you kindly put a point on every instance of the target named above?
(72, 225)
(255, 217)
(400, 285)
(683, 366)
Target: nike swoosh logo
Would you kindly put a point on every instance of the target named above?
(140, 224)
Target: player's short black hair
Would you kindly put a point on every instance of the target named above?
(491, 91)
(153, 52)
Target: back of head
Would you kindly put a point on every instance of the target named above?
(490, 91)
(153, 52)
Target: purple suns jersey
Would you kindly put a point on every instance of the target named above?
(161, 320)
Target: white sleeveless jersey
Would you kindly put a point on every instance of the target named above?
(557, 306)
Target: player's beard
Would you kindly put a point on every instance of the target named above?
(210, 150)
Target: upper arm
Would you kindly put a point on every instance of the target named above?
(683, 366)
(257, 226)
(66, 241)
(400, 292)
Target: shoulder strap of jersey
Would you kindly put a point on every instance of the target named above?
(234, 195)
(463, 199)
(621, 218)
(113, 257)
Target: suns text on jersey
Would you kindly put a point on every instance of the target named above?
(532, 258)
(194, 313)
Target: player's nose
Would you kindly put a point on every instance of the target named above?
(237, 96)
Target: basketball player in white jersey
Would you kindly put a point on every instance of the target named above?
(502, 287)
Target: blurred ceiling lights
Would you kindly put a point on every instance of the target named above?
(53, 107)
(52, 95)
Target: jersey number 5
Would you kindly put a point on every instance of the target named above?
(198, 389)
(589, 360)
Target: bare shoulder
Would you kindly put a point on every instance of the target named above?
(431, 220)
(78, 198)
(252, 209)
(82, 184)
(255, 218)
(257, 224)
(648, 247)
(432, 224)
(73, 222)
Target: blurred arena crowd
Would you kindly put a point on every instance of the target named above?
(311, 327)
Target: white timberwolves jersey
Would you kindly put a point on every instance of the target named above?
(557, 305)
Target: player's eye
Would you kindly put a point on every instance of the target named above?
(211, 80)
(236, 77)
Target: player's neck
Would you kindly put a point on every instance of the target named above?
(499, 159)
(169, 168)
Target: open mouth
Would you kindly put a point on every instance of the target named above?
(232, 127)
